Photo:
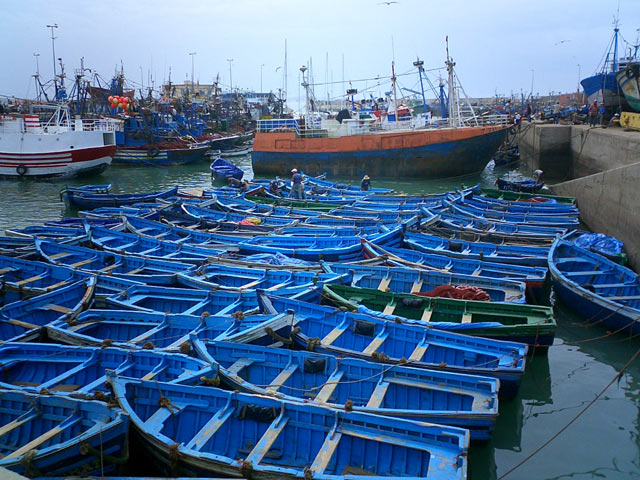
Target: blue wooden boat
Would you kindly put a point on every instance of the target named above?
(516, 254)
(132, 244)
(131, 329)
(466, 401)
(105, 213)
(351, 189)
(26, 278)
(331, 330)
(243, 206)
(449, 217)
(145, 227)
(221, 169)
(216, 276)
(90, 200)
(318, 248)
(103, 188)
(216, 216)
(17, 246)
(599, 289)
(56, 435)
(384, 216)
(542, 220)
(138, 269)
(213, 431)
(25, 318)
(526, 186)
(184, 300)
(80, 371)
(534, 277)
(408, 280)
(45, 231)
(178, 218)
(482, 201)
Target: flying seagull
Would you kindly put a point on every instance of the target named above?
(387, 3)
(562, 41)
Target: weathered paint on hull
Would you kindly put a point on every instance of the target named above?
(161, 157)
(441, 158)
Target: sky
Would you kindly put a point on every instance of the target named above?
(500, 47)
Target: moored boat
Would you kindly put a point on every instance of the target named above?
(216, 431)
(59, 147)
(599, 289)
(467, 401)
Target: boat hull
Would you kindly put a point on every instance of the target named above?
(629, 81)
(437, 153)
(67, 163)
(150, 156)
(603, 88)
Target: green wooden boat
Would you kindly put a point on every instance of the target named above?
(530, 324)
(523, 197)
(285, 202)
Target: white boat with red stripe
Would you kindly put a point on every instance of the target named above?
(59, 147)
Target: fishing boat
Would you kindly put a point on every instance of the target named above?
(223, 170)
(56, 435)
(58, 147)
(134, 329)
(46, 368)
(341, 333)
(602, 86)
(599, 289)
(533, 277)
(466, 401)
(198, 431)
(530, 324)
(131, 244)
(160, 154)
(534, 256)
(629, 82)
(525, 186)
(186, 301)
(25, 318)
(428, 283)
(216, 276)
(129, 267)
(25, 278)
(91, 200)
(522, 197)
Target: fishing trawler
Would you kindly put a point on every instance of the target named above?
(387, 143)
(58, 147)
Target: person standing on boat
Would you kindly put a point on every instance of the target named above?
(593, 113)
(516, 120)
(297, 190)
(365, 185)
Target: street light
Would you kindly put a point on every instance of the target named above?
(532, 83)
(192, 55)
(230, 77)
(261, 67)
(53, 49)
(579, 78)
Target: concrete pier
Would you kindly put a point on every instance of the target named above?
(600, 167)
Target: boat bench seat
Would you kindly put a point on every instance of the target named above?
(592, 272)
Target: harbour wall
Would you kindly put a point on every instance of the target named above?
(600, 167)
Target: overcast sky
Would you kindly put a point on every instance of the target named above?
(500, 46)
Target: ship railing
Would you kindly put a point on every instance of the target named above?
(279, 125)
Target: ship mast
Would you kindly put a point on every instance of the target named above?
(454, 118)
(395, 97)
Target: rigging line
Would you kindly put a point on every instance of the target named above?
(379, 77)
(617, 377)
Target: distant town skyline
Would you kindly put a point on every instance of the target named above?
(500, 47)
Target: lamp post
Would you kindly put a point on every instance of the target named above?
(532, 83)
(193, 54)
(230, 76)
(261, 67)
(53, 49)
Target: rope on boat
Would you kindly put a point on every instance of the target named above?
(616, 377)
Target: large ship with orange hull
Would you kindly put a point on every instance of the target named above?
(280, 145)
(381, 142)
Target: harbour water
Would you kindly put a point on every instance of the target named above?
(603, 443)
